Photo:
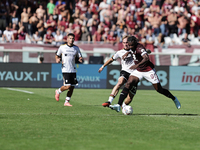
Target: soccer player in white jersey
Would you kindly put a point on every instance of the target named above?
(143, 68)
(124, 74)
(68, 52)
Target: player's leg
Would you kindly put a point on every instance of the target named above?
(69, 94)
(121, 80)
(132, 82)
(152, 77)
(115, 91)
(130, 96)
(167, 93)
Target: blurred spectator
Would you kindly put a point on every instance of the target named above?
(148, 3)
(132, 8)
(65, 39)
(163, 24)
(64, 22)
(105, 34)
(150, 38)
(77, 33)
(155, 22)
(120, 23)
(88, 14)
(93, 7)
(83, 7)
(182, 23)
(85, 36)
(138, 3)
(154, 7)
(58, 38)
(33, 21)
(41, 13)
(122, 12)
(14, 29)
(50, 7)
(103, 5)
(161, 40)
(36, 37)
(48, 37)
(185, 40)
(55, 15)
(76, 14)
(24, 20)
(3, 14)
(191, 36)
(40, 28)
(51, 24)
(166, 5)
(130, 22)
(111, 39)
(7, 35)
(97, 37)
(70, 29)
(21, 33)
(140, 16)
(172, 22)
(93, 24)
(13, 19)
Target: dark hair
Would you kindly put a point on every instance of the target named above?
(133, 40)
(71, 34)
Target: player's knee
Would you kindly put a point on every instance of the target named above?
(133, 90)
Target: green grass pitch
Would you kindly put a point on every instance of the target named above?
(38, 122)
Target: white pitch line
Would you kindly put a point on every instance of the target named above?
(19, 90)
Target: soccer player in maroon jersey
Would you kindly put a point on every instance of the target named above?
(144, 68)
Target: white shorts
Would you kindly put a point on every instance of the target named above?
(151, 75)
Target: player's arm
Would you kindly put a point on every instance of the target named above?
(148, 51)
(57, 58)
(125, 55)
(80, 59)
(109, 61)
(143, 61)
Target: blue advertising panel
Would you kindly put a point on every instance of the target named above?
(184, 78)
(56, 75)
(87, 76)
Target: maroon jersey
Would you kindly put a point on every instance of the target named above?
(139, 51)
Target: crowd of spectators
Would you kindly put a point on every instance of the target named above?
(107, 21)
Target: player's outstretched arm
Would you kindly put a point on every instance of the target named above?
(109, 61)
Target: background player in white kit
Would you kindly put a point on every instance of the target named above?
(68, 52)
(125, 71)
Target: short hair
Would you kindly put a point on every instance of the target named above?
(124, 37)
(133, 40)
(71, 34)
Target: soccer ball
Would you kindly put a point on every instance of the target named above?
(127, 110)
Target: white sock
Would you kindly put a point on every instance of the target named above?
(111, 98)
(123, 104)
(59, 91)
(67, 99)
